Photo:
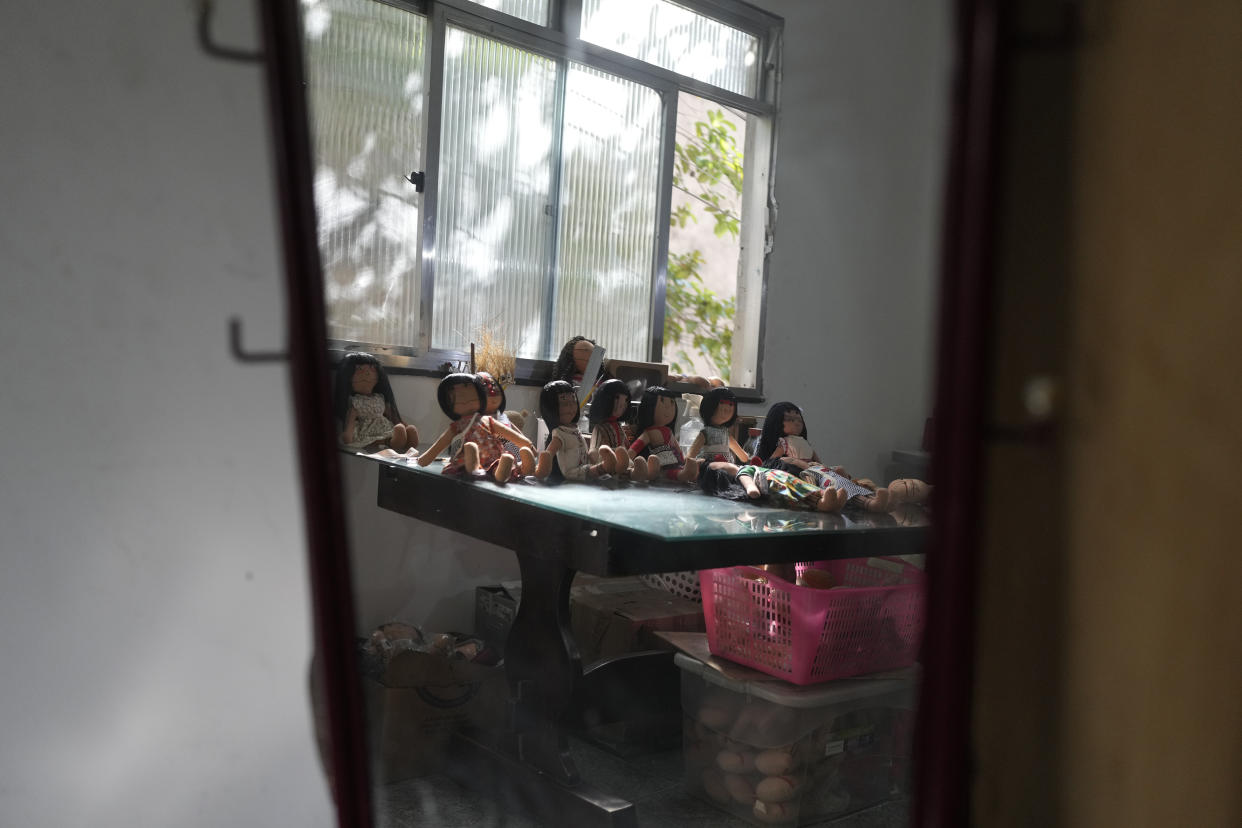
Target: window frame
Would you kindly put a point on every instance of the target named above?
(559, 41)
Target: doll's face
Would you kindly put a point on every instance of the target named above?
(465, 400)
(724, 412)
(665, 410)
(366, 376)
(793, 423)
(619, 405)
(493, 395)
(582, 353)
(567, 407)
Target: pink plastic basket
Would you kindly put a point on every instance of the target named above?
(806, 635)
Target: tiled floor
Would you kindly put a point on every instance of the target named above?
(652, 782)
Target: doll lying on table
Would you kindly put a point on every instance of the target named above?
(656, 443)
(366, 411)
(783, 445)
(776, 486)
(566, 456)
(475, 440)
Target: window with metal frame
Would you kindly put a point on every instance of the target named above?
(532, 170)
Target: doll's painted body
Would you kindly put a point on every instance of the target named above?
(609, 420)
(566, 455)
(715, 442)
(495, 408)
(474, 440)
(656, 442)
(366, 410)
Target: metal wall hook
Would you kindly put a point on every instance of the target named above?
(242, 355)
(205, 8)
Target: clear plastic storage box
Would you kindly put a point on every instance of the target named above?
(777, 754)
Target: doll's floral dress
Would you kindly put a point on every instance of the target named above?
(370, 424)
(780, 487)
(490, 446)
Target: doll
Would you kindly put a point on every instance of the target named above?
(610, 412)
(657, 427)
(784, 438)
(495, 409)
(573, 359)
(365, 408)
(776, 486)
(783, 445)
(474, 439)
(716, 441)
(566, 452)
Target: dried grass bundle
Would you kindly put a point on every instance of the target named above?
(495, 357)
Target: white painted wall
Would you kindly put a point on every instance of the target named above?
(851, 290)
(154, 613)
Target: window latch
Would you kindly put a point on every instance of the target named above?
(418, 178)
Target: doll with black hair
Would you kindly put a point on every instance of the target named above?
(716, 441)
(474, 439)
(365, 408)
(495, 409)
(774, 486)
(572, 361)
(657, 438)
(784, 445)
(609, 418)
(565, 456)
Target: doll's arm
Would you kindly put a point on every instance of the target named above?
(438, 446)
(554, 444)
(640, 443)
(748, 483)
(351, 419)
(696, 446)
(511, 434)
(737, 450)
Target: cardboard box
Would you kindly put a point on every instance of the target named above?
(419, 701)
(611, 616)
(608, 616)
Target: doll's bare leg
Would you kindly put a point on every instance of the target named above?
(653, 468)
(623, 458)
(504, 468)
(689, 472)
(398, 442)
(544, 468)
(526, 460)
(470, 457)
(608, 460)
(638, 472)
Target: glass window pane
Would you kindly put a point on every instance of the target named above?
(704, 243)
(675, 38)
(365, 91)
(533, 11)
(494, 234)
(610, 181)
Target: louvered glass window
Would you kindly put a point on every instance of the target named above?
(365, 90)
(552, 183)
(675, 38)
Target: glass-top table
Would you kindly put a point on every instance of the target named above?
(627, 529)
